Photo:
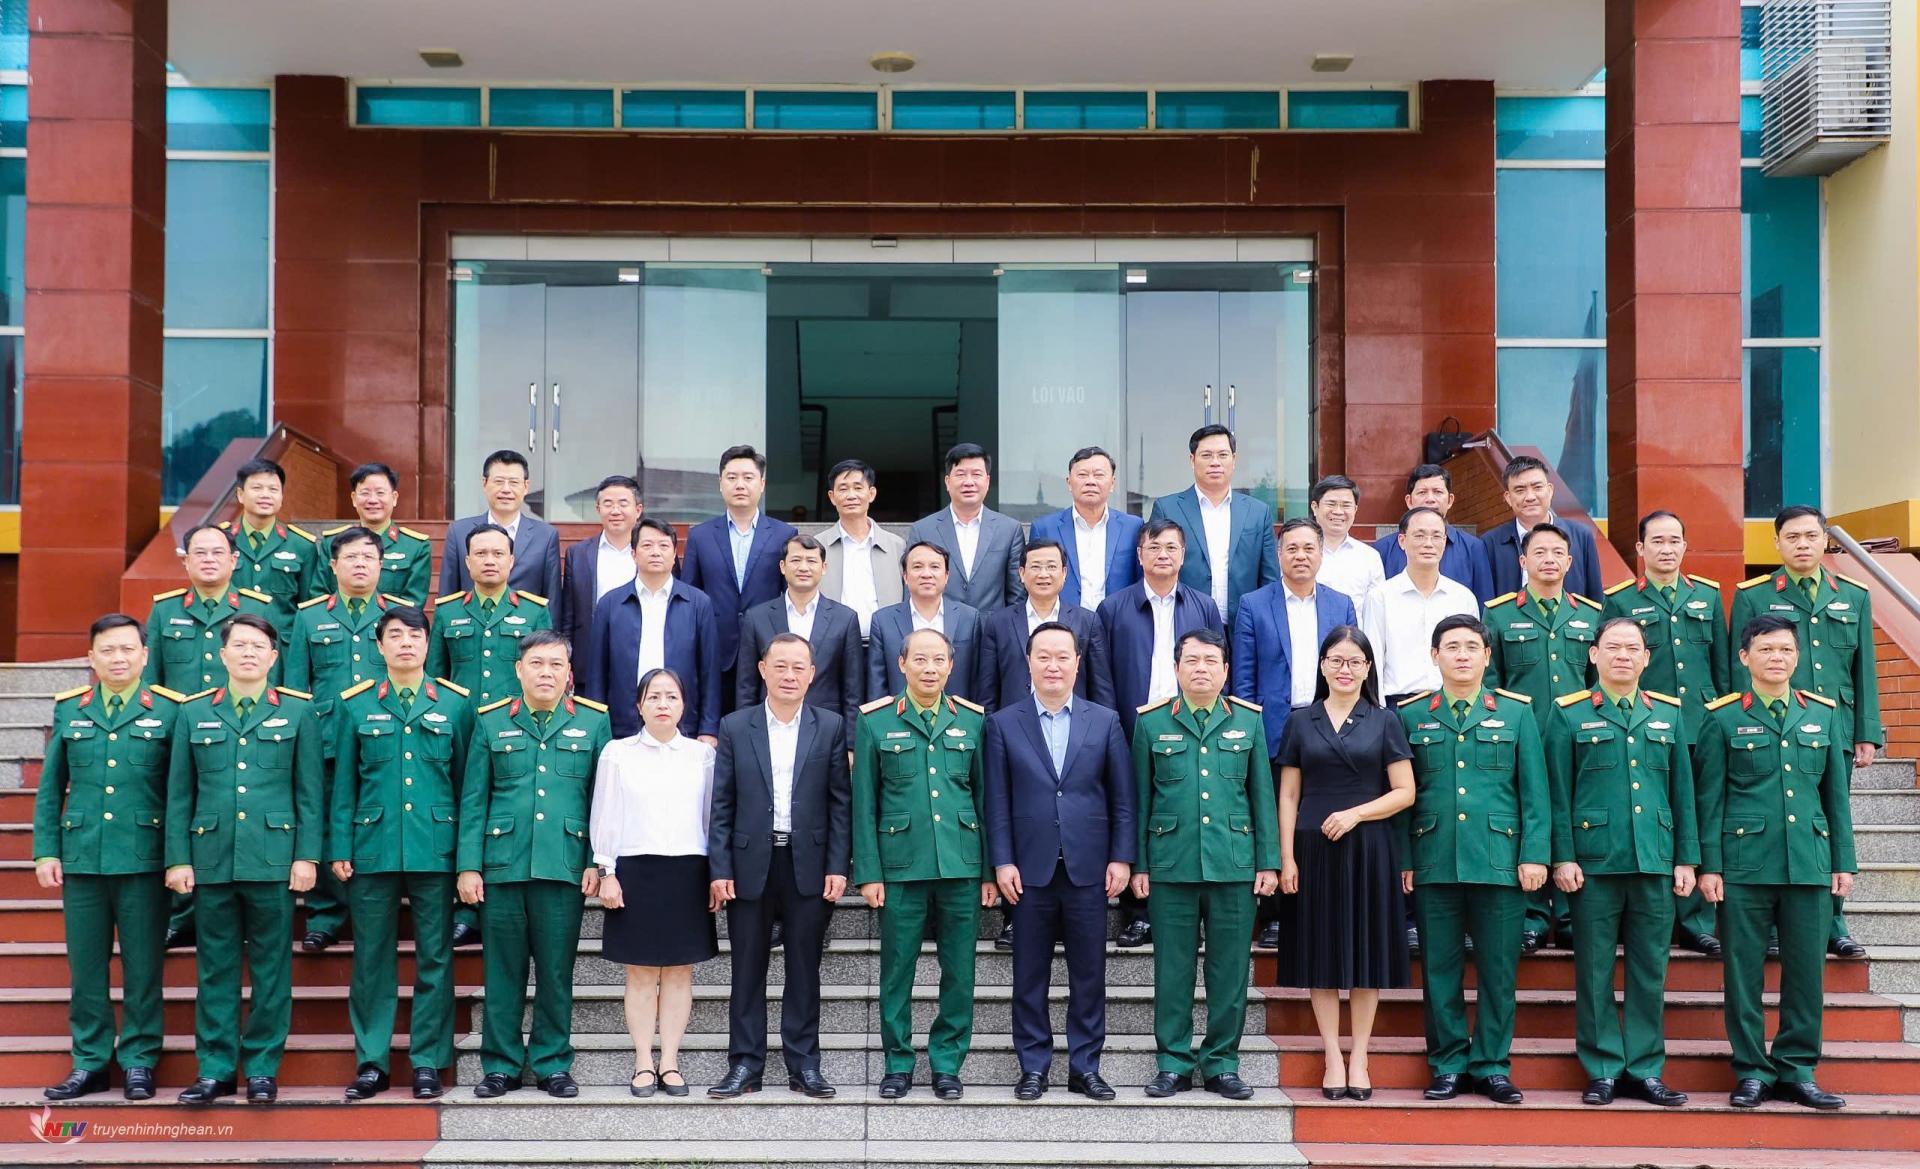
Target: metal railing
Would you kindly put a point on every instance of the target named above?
(1873, 569)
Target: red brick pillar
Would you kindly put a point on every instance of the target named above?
(95, 277)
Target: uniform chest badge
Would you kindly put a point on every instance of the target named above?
(1782, 608)
(379, 718)
(180, 621)
(1749, 731)
(215, 725)
(324, 626)
(1492, 722)
(1521, 625)
(899, 734)
(1233, 734)
(1639, 609)
(274, 722)
(461, 621)
(1427, 727)
(507, 734)
(148, 722)
(87, 722)
(516, 620)
(285, 556)
(434, 716)
(395, 556)
(1592, 726)
(1660, 726)
(1840, 605)
(1577, 625)
(1698, 604)
(1811, 728)
(956, 732)
(574, 733)
(1173, 738)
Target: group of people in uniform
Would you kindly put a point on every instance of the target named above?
(1039, 719)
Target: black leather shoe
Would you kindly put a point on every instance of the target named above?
(1446, 1086)
(1139, 932)
(369, 1083)
(139, 1084)
(1747, 1094)
(79, 1083)
(426, 1084)
(946, 1086)
(1413, 941)
(1701, 944)
(1091, 1086)
(1030, 1086)
(1845, 947)
(737, 1082)
(1599, 1092)
(810, 1082)
(1498, 1089)
(1229, 1085)
(559, 1085)
(1773, 946)
(1529, 942)
(205, 1091)
(494, 1085)
(1653, 1090)
(1166, 1084)
(1808, 1095)
(894, 1085)
(179, 939)
(1269, 938)
(262, 1089)
(1466, 943)
(1004, 939)
(317, 940)
(778, 936)
(465, 935)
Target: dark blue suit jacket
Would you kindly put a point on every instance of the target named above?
(1464, 561)
(536, 557)
(707, 565)
(1503, 556)
(888, 632)
(1263, 650)
(1004, 678)
(1129, 627)
(610, 674)
(1082, 816)
(1253, 557)
(1123, 557)
(579, 590)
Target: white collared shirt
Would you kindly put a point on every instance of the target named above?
(783, 742)
(651, 798)
(801, 621)
(1353, 568)
(1303, 643)
(1090, 545)
(1399, 620)
(613, 567)
(1161, 680)
(653, 625)
(857, 591)
(1035, 619)
(937, 621)
(1216, 522)
(967, 535)
(513, 529)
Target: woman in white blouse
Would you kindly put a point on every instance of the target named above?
(650, 804)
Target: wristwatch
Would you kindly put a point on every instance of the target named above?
(605, 871)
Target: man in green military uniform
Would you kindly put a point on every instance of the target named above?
(97, 837)
(920, 854)
(1624, 846)
(1776, 837)
(245, 822)
(524, 859)
(1209, 846)
(1833, 618)
(1541, 638)
(1686, 630)
(401, 756)
(1477, 840)
(406, 556)
(476, 633)
(276, 558)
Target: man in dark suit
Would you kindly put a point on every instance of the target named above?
(1529, 489)
(734, 558)
(928, 606)
(779, 847)
(1465, 560)
(839, 681)
(1099, 541)
(1060, 832)
(1004, 675)
(655, 621)
(1230, 547)
(599, 564)
(536, 546)
(983, 545)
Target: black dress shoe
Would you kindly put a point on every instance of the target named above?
(812, 1083)
(1139, 932)
(179, 939)
(1653, 1090)
(1446, 1086)
(494, 1085)
(737, 1082)
(1845, 947)
(777, 937)
(1413, 940)
(79, 1083)
(1773, 946)
(1229, 1085)
(139, 1084)
(465, 935)
(1166, 1084)
(559, 1085)
(1529, 942)
(205, 1091)
(262, 1089)
(1004, 939)
(1747, 1094)
(369, 1083)
(1808, 1095)
(894, 1085)
(1498, 1089)
(946, 1086)
(1466, 943)
(1701, 944)
(1091, 1086)
(426, 1084)
(1599, 1092)
(1030, 1086)
(1269, 938)
(317, 940)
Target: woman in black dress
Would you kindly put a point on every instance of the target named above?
(1344, 774)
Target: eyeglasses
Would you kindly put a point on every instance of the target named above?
(1355, 664)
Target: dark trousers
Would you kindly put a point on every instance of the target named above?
(1077, 914)
(803, 920)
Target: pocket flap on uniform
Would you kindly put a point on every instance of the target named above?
(79, 734)
(72, 819)
(1161, 823)
(1590, 818)
(1665, 817)
(576, 827)
(1744, 825)
(280, 820)
(1595, 735)
(505, 745)
(1820, 824)
(445, 814)
(1170, 748)
(896, 746)
(374, 730)
(149, 820)
(1815, 739)
(1487, 734)
(1504, 824)
(211, 735)
(499, 825)
(1237, 823)
(1520, 634)
(1234, 746)
(205, 824)
(957, 744)
(1425, 822)
(970, 823)
(368, 815)
(894, 823)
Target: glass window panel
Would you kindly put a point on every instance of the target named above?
(13, 34)
(1348, 109)
(564, 108)
(1750, 64)
(1780, 255)
(1751, 119)
(10, 414)
(217, 245)
(926, 109)
(1550, 251)
(1061, 376)
(1059, 110)
(415, 105)
(1213, 110)
(821, 109)
(215, 392)
(1556, 400)
(703, 375)
(13, 115)
(1783, 450)
(13, 238)
(219, 119)
(1550, 127)
(684, 109)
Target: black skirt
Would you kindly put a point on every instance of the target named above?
(1346, 927)
(665, 921)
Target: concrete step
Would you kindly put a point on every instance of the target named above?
(31, 678)
(1886, 881)
(869, 1154)
(42, 1011)
(21, 741)
(1885, 774)
(1358, 1156)
(1886, 807)
(1886, 842)
(1884, 923)
(1892, 969)
(26, 709)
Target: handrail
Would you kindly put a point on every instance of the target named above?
(1874, 569)
(212, 499)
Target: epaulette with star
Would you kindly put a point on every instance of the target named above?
(256, 595)
(1237, 700)
(1526, 698)
(1570, 699)
(1669, 699)
(1501, 600)
(300, 532)
(1413, 698)
(1820, 698)
(590, 704)
(1701, 580)
(1757, 580)
(1152, 706)
(319, 600)
(876, 704)
(456, 687)
(1625, 584)
(494, 705)
(169, 695)
(1724, 699)
(354, 689)
(170, 594)
(76, 692)
(290, 691)
(1589, 601)
(536, 598)
(450, 598)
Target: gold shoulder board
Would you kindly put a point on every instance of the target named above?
(456, 687)
(397, 600)
(1701, 580)
(314, 600)
(76, 692)
(356, 688)
(1625, 584)
(416, 535)
(973, 706)
(494, 705)
(1152, 706)
(1751, 581)
(1526, 698)
(450, 598)
(1570, 699)
(1501, 600)
(1669, 699)
(876, 704)
(1852, 580)
(170, 695)
(1820, 698)
(335, 530)
(1238, 701)
(590, 704)
(536, 598)
(256, 595)
(1410, 699)
(301, 694)
(1586, 600)
(1721, 701)
(170, 594)
(300, 532)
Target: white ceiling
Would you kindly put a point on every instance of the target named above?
(1520, 44)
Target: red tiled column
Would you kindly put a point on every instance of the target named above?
(95, 278)
(1674, 419)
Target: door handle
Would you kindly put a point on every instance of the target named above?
(1233, 395)
(556, 416)
(1206, 405)
(533, 416)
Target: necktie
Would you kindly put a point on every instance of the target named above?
(1548, 605)
(356, 606)
(927, 716)
(1460, 706)
(1807, 587)
(256, 539)
(212, 604)
(406, 698)
(542, 717)
(1626, 707)
(114, 703)
(486, 608)
(1777, 707)
(242, 707)
(1670, 593)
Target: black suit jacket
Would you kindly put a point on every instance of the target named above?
(839, 656)
(579, 590)
(1503, 556)
(1001, 659)
(740, 830)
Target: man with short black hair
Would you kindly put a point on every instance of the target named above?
(863, 558)
(838, 679)
(735, 558)
(983, 545)
(658, 620)
(506, 479)
(406, 556)
(183, 630)
(929, 605)
(1099, 542)
(1347, 565)
(1400, 616)
(275, 557)
(477, 631)
(1529, 495)
(1465, 560)
(599, 564)
(1005, 674)
(1229, 535)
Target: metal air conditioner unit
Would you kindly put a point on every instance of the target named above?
(1828, 66)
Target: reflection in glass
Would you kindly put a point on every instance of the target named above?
(703, 380)
(217, 244)
(215, 392)
(1550, 248)
(1782, 449)
(1556, 400)
(1550, 127)
(1061, 376)
(11, 400)
(13, 239)
(1780, 255)
(219, 119)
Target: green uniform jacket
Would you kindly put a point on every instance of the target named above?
(1481, 804)
(478, 651)
(285, 568)
(397, 776)
(1774, 808)
(1542, 657)
(527, 794)
(112, 777)
(1623, 800)
(918, 796)
(406, 564)
(330, 652)
(1687, 643)
(244, 798)
(1836, 645)
(1206, 806)
(183, 639)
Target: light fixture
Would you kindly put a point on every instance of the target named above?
(462, 273)
(1136, 275)
(1332, 62)
(629, 275)
(891, 62)
(883, 241)
(442, 58)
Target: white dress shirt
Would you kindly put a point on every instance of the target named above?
(1399, 620)
(857, 590)
(653, 626)
(1353, 568)
(801, 621)
(1217, 528)
(1035, 618)
(651, 798)
(613, 567)
(938, 621)
(1303, 643)
(967, 535)
(783, 742)
(513, 529)
(1090, 545)
(1161, 680)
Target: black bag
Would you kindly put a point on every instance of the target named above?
(1446, 442)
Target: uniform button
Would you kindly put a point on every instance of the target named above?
(116, 763)
(1636, 785)
(1816, 620)
(936, 794)
(106, 815)
(356, 637)
(1818, 666)
(356, 657)
(936, 817)
(543, 769)
(1460, 763)
(408, 781)
(1629, 740)
(1463, 815)
(243, 742)
(111, 736)
(1816, 641)
(1463, 791)
(1789, 792)
(1633, 763)
(496, 832)
(539, 815)
(486, 673)
(1679, 665)
(543, 746)
(1683, 689)
(1554, 657)
(486, 653)
(406, 730)
(1786, 767)
(241, 766)
(242, 789)
(1676, 641)
(1739, 831)
(539, 791)
(1206, 795)
(1784, 743)
(933, 771)
(208, 657)
(110, 790)
(1556, 677)
(1203, 771)
(1203, 750)
(240, 816)
(1674, 618)
(407, 754)
(1636, 809)
(406, 807)
(1206, 819)
(1791, 820)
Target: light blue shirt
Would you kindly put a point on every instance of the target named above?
(1055, 728)
(742, 543)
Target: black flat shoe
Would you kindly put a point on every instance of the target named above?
(317, 940)
(205, 1091)
(369, 1083)
(1004, 939)
(894, 1085)
(1091, 1086)
(1773, 947)
(494, 1085)
(670, 1087)
(139, 1084)
(1446, 1086)
(78, 1084)
(1845, 947)
(465, 935)
(946, 1086)
(1747, 1094)
(1030, 1086)
(737, 1082)
(1413, 941)
(1653, 1090)
(1139, 932)
(559, 1085)
(778, 936)
(1269, 938)
(262, 1089)
(179, 939)
(1599, 1092)
(1529, 942)
(1230, 1086)
(1808, 1095)
(1166, 1084)
(426, 1084)
(644, 1088)
(1701, 944)
(1498, 1089)
(810, 1082)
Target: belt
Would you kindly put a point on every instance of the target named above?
(781, 839)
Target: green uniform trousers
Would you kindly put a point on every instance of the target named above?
(250, 920)
(1635, 913)
(134, 906)
(538, 920)
(1491, 915)
(326, 902)
(375, 995)
(1179, 909)
(1693, 914)
(1802, 914)
(1546, 913)
(953, 905)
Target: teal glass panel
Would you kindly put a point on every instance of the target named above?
(1062, 110)
(1750, 62)
(1556, 400)
(815, 109)
(570, 109)
(217, 245)
(1550, 252)
(683, 109)
(1550, 127)
(959, 109)
(13, 34)
(1061, 351)
(13, 239)
(219, 119)
(1751, 121)
(1348, 109)
(1780, 255)
(11, 368)
(417, 105)
(1214, 110)
(1781, 388)
(13, 115)
(215, 392)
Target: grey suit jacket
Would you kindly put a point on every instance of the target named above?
(891, 626)
(536, 557)
(883, 547)
(995, 580)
